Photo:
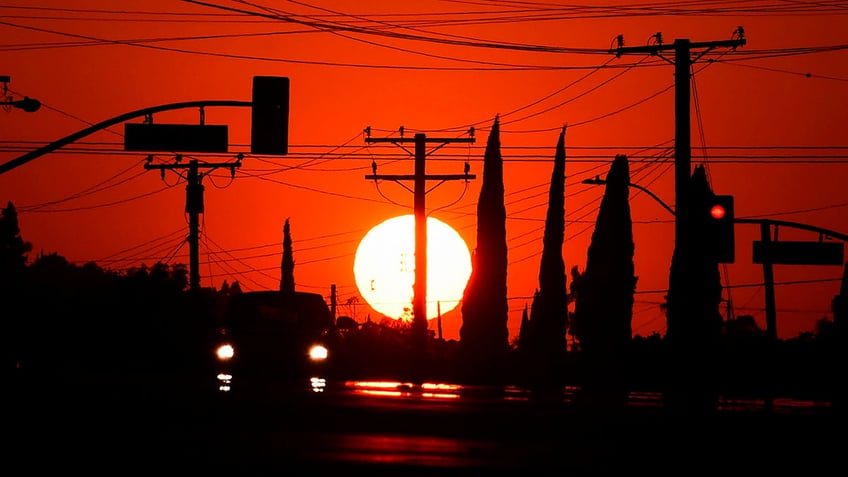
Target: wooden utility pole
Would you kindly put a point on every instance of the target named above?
(194, 205)
(333, 301)
(688, 343)
(683, 60)
(420, 178)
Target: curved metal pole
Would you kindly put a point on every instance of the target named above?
(110, 122)
(599, 181)
(654, 196)
(784, 223)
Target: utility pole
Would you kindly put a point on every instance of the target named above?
(420, 178)
(333, 301)
(194, 205)
(771, 321)
(689, 344)
(682, 62)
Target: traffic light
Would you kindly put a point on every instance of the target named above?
(269, 128)
(718, 218)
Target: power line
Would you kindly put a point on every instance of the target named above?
(785, 71)
(514, 154)
(117, 146)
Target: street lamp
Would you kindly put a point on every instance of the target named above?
(598, 181)
(27, 104)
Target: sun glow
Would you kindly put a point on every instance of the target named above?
(384, 267)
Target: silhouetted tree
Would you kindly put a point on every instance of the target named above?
(603, 308)
(524, 330)
(160, 276)
(744, 355)
(13, 259)
(839, 349)
(287, 265)
(235, 288)
(549, 312)
(484, 336)
(743, 327)
(693, 315)
(13, 248)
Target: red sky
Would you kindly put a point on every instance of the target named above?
(768, 120)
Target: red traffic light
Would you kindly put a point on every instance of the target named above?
(718, 223)
(717, 211)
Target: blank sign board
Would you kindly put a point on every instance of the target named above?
(175, 137)
(799, 253)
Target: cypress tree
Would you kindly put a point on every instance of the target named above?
(603, 308)
(524, 330)
(484, 336)
(693, 314)
(287, 265)
(837, 349)
(13, 286)
(549, 312)
(13, 248)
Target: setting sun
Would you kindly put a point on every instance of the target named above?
(384, 267)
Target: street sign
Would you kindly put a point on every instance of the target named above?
(799, 253)
(175, 137)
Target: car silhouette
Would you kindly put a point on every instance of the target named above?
(270, 338)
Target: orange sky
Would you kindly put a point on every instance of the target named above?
(767, 119)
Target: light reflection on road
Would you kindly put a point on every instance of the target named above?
(432, 427)
(434, 391)
(441, 391)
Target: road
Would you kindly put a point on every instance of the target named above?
(404, 430)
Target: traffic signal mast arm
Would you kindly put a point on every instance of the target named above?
(19, 161)
(796, 225)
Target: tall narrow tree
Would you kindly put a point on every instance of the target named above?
(13, 249)
(524, 330)
(13, 286)
(549, 312)
(838, 348)
(484, 336)
(693, 313)
(603, 308)
(287, 264)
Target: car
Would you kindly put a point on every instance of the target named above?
(271, 338)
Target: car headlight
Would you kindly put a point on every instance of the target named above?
(225, 352)
(318, 353)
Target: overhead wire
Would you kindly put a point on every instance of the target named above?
(212, 256)
(332, 31)
(97, 206)
(784, 71)
(406, 36)
(154, 250)
(98, 187)
(584, 93)
(144, 246)
(518, 155)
